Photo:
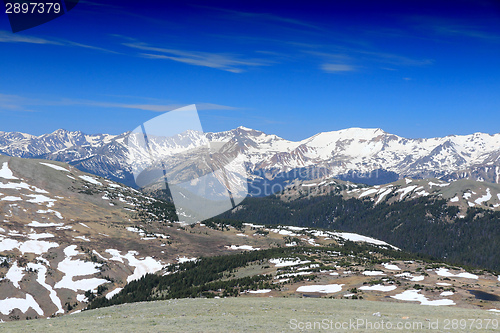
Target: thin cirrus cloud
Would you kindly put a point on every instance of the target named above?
(345, 54)
(343, 58)
(459, 28)
(162, 107)
(21, 103)
(337, 68)
(225, 62)
(395, 59)
(333, 62)
(264, 17)
(465, 31)
(13, 103)
(9, 37)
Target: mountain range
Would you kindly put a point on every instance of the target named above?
(369, 156)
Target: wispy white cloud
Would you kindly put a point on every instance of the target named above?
(91, 47)
(270, 18)
(263, 17)
(161, 107)
(334, 62)
(346, 58)
(486, 31)
(9, 37)
(341, 58)
(14, 103)
(21, 103)
(395, 59)
(467, 31)
(225, 62)
(336, 68)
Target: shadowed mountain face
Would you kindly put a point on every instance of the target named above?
(369, 156)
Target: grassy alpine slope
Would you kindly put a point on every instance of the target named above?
(340, 269)
(264, 314)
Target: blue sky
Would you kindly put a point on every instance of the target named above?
(412, 68)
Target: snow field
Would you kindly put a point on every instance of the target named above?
(378, 287)
(76, 267)
(56, 167)
(142, 266)
(42, 271)
(23, 304)
(5, 172)
(446, 273)
(242, 247)
(325, 289)
(287, 262)
(414, 296)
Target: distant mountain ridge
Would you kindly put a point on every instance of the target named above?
(369, 156)
(455, 220)
(463, 193)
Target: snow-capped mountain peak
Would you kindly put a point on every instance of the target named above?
(345, 154)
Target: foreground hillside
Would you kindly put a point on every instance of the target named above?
(70, 241)
(264, 314)
(330, 268)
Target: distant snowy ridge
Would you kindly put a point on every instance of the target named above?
(463, 193)
(355, 154)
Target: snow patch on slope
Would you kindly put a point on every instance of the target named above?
(414, 296)
(325, 289)
(113, 293)
(446, 273)
(5, 172)
(91, 180)
(56, 167)
(76, 267)
(31, 246)
(287, 262)
(23, 304)
(484, 198)
(42, 272)
(15, 274)
(391, 267)
(242, 247)
(378, 287)
(360, 238)
(142, 266)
